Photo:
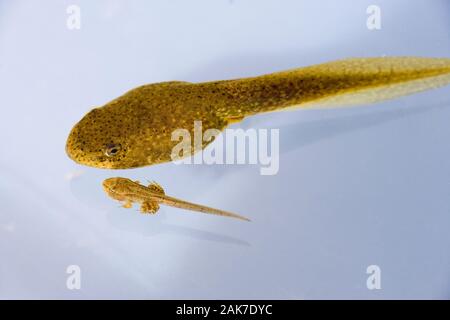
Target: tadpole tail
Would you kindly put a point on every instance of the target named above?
(177, 203)
(349, 82)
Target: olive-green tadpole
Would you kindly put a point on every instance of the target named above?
(135, 129)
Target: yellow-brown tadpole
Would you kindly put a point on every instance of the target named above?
(135, 129)
(151, 196)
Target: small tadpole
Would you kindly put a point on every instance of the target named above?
(150, 197)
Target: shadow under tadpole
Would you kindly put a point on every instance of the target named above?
(153, 225)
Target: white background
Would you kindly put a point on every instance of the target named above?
(356, 187)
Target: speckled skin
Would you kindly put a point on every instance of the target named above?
(141, 121)
(151, 196)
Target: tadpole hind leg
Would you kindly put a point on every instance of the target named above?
(155, 187)
(150, 207)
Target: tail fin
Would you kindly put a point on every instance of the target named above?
(390, 78)
(174, 202)
(347, 82)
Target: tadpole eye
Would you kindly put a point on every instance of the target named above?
(112, 149)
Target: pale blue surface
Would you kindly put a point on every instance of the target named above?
(356, 186)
